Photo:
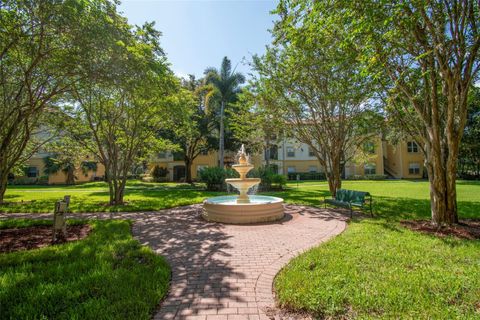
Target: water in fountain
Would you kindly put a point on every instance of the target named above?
(243, 208)
(253, 190)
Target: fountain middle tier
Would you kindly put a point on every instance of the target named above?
(243, 185)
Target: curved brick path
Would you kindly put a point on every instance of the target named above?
(226, 271)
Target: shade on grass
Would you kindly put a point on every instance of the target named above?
(107, 275)
(378, 269)
(94, 197)
(392, 199)
(375, 269)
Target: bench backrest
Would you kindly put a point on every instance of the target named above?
(345, 195)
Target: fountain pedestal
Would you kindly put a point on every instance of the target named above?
(244, 208)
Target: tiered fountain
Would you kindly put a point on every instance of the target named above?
(243, 208)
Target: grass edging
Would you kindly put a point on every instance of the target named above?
(108, 273)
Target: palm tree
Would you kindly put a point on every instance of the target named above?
(227, 85)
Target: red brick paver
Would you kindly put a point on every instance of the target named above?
(224, 271)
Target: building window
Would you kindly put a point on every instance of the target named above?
(290, 152)
(272, 153)
(162, 155)
(32, 172)
(204, 152)
(370, 169)
(369, 147)
(311, 153)
(412, 147)
(312, 169)
(291, 169)
(414, 168)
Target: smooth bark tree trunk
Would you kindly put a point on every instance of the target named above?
(334, 176)
(70, 177)
(221, 146)
(334, 182)
(3, 185)
(443, 193)
(188, 171)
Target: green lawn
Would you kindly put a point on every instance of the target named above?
(93, 197)
(377, 269)
(107, 275)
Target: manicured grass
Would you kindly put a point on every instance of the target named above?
(93, 197)
(377, 269)
(107, 275)
(392, 199)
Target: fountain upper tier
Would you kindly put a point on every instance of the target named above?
(241, 209)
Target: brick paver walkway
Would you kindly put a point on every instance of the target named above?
(226, 271)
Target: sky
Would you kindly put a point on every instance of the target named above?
(197, 34)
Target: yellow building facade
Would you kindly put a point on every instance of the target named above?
(401, 161)
(35, 168)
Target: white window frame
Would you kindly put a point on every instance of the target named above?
(290, 152)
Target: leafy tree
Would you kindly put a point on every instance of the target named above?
(38, 51)
(253, 123)
(192, 126)
(314, 76)
(469, 156)
(227, 85)
(118, 111)
(426, 54)
(67, 156)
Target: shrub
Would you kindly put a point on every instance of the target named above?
(368, 177)
(307, 176)
(214, 177)
(159, 173)
(375, 177)
(278, 181)
(269, 179)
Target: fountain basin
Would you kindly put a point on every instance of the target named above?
(226, 209)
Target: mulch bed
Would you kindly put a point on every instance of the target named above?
(465, 229)
(17, 239)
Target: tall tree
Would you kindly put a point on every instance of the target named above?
(117, 112)
(191, 127)
(253, 122)
(469, 156)
(318, 89)
(227, 85)
(38, 51)
(429, 52)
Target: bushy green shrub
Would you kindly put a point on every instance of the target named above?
(307, 176)
(214, 177)
(159, 173)
(367, 177)
(269, 179)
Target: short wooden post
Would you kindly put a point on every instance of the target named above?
(59, 226)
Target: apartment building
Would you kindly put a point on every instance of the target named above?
(175, 164)
(289, 157)
(35, 172)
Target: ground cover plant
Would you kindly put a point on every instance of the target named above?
(380, 269)
(108, 274)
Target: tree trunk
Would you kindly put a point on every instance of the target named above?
(70, 179)
(221, 146)
(188, 170)
(267, 154)
(334, 177)
(443, 193)
(3, 185)
(119, 191)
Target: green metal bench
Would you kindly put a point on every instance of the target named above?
(349, 199)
